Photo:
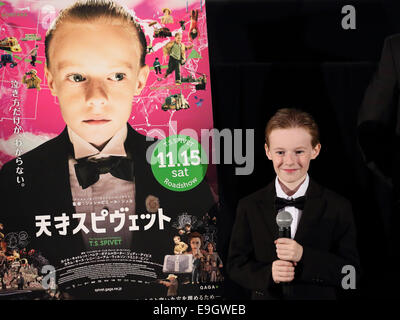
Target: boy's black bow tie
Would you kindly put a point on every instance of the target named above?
(281, 203)
(88, 171)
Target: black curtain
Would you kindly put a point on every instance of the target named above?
(267, 55)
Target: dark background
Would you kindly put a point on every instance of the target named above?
(267, 55)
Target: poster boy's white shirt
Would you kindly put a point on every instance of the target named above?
(114, 147)
(108, 192)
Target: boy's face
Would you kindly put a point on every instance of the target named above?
(95, 73)
(195, 243)
(291, 152)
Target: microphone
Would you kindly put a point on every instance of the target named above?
(284, 220)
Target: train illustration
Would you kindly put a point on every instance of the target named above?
(10, 44)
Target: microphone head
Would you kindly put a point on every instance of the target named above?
(284, 219)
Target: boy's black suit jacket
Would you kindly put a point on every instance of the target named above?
(47, 192)
(326, 231)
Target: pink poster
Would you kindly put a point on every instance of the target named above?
(24, 25)
(63, 237)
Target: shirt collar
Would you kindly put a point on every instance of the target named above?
(299, 193)
(114, 147)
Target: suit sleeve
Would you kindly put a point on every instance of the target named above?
(379, 108)
(7, 188)
(242, 266)
(325, 268)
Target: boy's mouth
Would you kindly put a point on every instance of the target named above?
(289, 170)
(96, 122)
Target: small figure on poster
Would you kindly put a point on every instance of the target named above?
(31, 79)
(175, 102)
(205, 270)
(167, 18)
(157, 66)
(214, 261)
(172, 284)
(20, 281)
(150, 47)
(202, 80)
(196, 268)
(196, 242)
(152, 203)
(193, 30)
(176, 51)
(33, 54)
(180, 246)
(162, 33)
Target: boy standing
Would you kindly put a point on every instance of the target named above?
(323, 238)
(33, 54)
(176, 51)
(86, 189)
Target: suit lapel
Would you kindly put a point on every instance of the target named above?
(312, 212)
(57, 178)
(135, 146)
(267, 207)
(314, 207)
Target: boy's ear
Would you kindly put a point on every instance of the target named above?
(50, 80)
(315, 151)
(268, 151)
(142, 79)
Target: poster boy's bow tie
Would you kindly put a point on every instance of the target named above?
(281, 203)
(88, 171)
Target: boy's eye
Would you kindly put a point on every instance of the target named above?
(281, 153)
(76, 77)
(118, 77)
(299, 151)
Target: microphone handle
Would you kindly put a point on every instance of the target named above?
(287, 288)
(285, 232)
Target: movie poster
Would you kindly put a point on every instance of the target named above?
(139, 223)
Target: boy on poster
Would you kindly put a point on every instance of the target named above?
(309, 264)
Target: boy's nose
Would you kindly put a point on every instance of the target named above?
(96, 95)
(289, 158)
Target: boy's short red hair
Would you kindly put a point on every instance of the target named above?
(293, 118)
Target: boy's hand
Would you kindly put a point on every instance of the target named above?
(282, 271)
(288, 249)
